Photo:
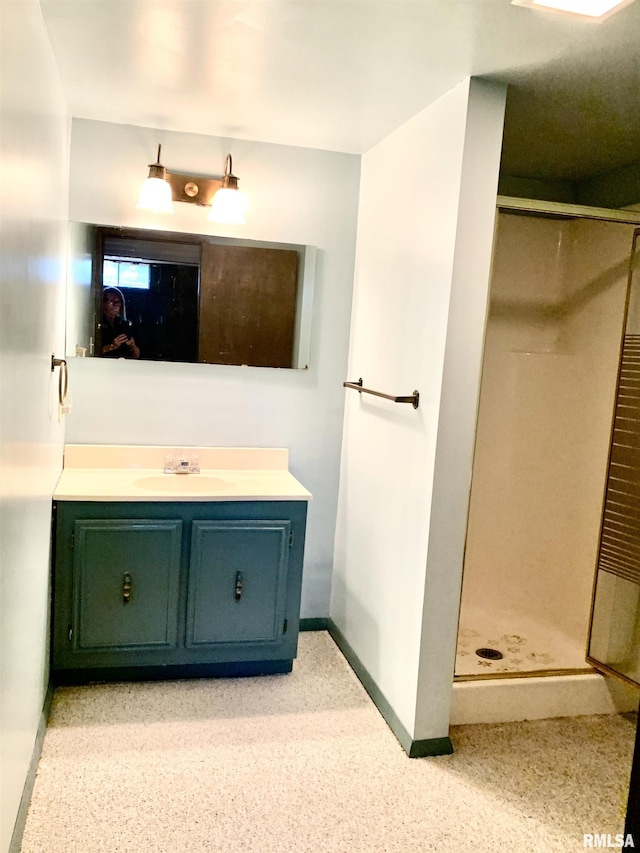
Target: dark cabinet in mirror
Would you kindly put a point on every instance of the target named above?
(164, 296)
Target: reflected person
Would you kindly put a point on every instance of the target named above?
(117, 340)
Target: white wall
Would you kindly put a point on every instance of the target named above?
(34, 158)
(296, 195)
(422, 269)
(459, 405)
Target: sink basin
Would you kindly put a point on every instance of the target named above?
(183, 483)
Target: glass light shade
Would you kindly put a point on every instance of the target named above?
(228, 207)
(155, 196)
(589, 8)
(592, 8)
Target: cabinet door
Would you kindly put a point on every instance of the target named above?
(237, 581)
(126, 576)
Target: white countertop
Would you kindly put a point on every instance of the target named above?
(128, 473)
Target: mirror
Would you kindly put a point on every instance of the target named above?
(166, 296)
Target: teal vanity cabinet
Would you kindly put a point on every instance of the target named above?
(176, 589)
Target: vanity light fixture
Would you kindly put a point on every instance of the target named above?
(155, 193)
(595, 9)
(222, 195)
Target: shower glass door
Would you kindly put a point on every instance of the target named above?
(614, 638)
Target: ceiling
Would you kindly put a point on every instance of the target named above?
(342, 74)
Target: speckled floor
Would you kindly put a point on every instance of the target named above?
(305, 763)
(525, 646)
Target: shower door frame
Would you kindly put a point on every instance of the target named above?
(578, 211)
(598, 665)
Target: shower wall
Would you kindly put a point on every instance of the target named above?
(549, 376)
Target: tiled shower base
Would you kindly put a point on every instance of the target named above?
(525, 646)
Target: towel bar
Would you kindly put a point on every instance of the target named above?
(414, 398)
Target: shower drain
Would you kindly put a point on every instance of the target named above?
(489, 654)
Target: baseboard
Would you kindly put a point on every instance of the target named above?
(27, 791)
(236, 669)
(413, 748)
(318, 623)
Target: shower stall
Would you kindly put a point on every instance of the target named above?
(558, 306)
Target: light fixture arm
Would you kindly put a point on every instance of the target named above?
(229, 180)
(157, 170)
(200, 190)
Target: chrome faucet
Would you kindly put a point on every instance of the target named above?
(181, 465)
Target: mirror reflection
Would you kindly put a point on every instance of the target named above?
(163, 296)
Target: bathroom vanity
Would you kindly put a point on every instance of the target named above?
(176, 575)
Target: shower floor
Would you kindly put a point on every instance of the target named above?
(526, 646)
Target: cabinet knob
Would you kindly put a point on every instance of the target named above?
(239, 585)
(127, 586)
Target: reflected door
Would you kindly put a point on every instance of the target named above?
(614, 637)
(247, 305)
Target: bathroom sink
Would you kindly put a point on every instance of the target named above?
(183, 483)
